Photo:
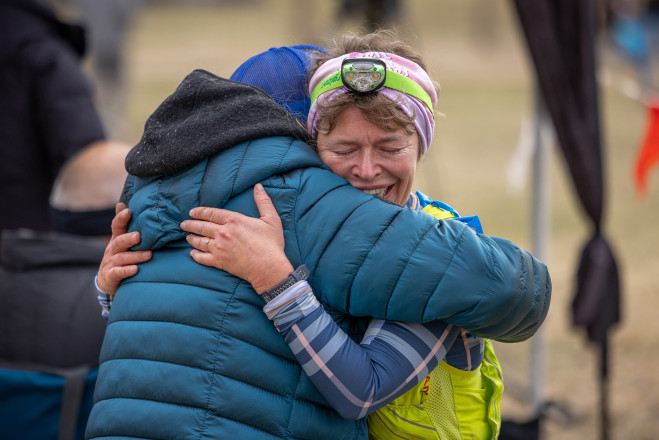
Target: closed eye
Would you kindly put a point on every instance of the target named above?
(341, 153)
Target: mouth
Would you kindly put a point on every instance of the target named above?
(379, 192)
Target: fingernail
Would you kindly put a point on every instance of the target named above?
(192, 212)
(258, 187)
(183, 223)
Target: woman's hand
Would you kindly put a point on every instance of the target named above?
(118, 262)
(249, 248)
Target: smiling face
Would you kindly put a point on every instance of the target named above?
(372, 159)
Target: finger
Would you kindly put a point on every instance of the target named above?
(109, 280)
(133, 257)
(201, 243)
(115, 269)
(117, 274)
(214, 215)
(119, 207)
(264, 204)
(124, 242)
(199, 227)
(203, 258)
(120, 222)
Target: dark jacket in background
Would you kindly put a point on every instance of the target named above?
(51, 332)
(46, 108)
(49, 313)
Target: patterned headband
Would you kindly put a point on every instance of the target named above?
(405, 83)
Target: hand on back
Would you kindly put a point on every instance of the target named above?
(249, 248)
(118, 261)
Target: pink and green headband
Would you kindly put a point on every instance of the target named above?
(397, 78)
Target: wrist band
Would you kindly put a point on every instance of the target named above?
(299, 274)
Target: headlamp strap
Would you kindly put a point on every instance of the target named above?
(393, 80)
(408, 86)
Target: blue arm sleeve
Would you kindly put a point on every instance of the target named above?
(104, 300)
(358, 379)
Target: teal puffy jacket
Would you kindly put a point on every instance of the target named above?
(188, 352)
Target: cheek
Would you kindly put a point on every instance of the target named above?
(338, 166)
(405, 169)
(405, 175)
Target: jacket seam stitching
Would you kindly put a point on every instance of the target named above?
(523, 288)
(157, 204)
(402, 271)
(195, 408)
(440, 279)
(361, 263)
(329, 242)
(240, 165)
(211, 388)
(321, 197)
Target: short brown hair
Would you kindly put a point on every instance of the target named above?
(376, 108)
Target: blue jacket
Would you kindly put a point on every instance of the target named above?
(188, 353)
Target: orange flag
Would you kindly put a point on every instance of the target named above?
(648, 155)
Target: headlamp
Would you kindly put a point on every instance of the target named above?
(363, 74)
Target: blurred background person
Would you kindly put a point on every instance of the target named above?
(632, 27)
(50, 326)
(47, 106)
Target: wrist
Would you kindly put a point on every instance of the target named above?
(298, 275)
(100, 287)
(269, 279)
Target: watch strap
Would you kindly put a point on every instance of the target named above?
(299, 274)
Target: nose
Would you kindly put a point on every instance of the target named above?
(367, 166)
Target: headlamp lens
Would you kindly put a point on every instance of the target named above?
(363, 74)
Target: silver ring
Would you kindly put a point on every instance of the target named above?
(207, 240)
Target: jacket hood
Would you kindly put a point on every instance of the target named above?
(204, 116)
(211, 140)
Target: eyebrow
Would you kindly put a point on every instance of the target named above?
(383, 140)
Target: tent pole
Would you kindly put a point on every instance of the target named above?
(540, 232)
(604, 390)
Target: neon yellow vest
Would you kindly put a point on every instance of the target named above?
(449, 404)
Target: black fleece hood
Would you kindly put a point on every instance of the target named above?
(204, 116)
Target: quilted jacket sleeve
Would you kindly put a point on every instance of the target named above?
(373, 258)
